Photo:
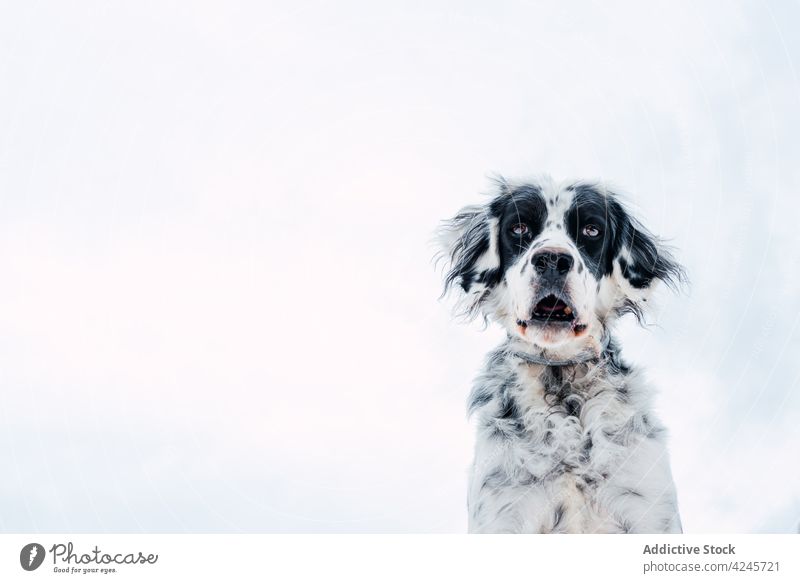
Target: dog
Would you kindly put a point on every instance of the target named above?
(567, 441)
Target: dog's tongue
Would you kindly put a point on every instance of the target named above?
(550, 305)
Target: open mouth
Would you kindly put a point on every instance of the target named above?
(553, 309)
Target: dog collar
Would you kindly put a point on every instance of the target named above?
(543, 360)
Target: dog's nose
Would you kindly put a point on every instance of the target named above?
(552, 262)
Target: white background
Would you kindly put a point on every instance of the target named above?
(218, 310)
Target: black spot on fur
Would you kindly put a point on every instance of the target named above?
(586, 449)
(558, 389)
(591, 206)
(479, 398)
(558, 516)
(631, 492)
(525, 205)
(614, 360)
(497, 433)
(504, 508)
(503, 429)
(488, 277)
(572, 405)
(552, 378)
(495, 479)
(508, 408)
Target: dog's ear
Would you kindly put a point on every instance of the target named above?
(469, 245)
(643, 260)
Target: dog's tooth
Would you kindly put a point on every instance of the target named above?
(567, 310)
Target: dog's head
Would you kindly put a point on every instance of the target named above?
(555, 264)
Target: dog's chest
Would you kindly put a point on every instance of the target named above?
(563, 418)
(563, 415)
(552, 442)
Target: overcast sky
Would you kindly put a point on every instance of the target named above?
(218, 307)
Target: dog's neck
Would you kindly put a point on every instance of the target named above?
(540, 356)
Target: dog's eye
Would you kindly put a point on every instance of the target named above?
(519, 229)
(591, 231)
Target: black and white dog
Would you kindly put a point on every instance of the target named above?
(567, 441)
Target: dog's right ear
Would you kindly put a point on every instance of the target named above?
(469, 245)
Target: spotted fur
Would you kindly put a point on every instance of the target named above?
(575, 447)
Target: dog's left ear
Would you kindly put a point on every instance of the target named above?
(643, 260)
